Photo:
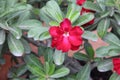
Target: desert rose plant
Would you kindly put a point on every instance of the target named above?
(55, 28)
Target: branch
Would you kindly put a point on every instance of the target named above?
(34, 42)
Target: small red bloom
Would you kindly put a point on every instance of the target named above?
(80, 2)
(66, 37)
(116, 64)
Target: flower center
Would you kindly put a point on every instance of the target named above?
(66, 34)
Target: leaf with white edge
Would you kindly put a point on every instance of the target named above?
(44, 36)
(15, 46)
(90, 36)
(92, 6)
(106, 51)
(115, 76)
(105, 65)
(26, 45)
(103, 27)
(36, 32)
(29, 24)
(54, 11)
(43, 16)
(60, 73)
(112, 39)
(85, 18)
(3, 26)
(117, 17)
(84, 73)
(17, 32)
(73, 12)
(2, 36)
(58, 57)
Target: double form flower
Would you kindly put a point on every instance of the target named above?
(65, 37)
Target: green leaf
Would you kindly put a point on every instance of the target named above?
(2, 6)
(89, 50)
(58, 57)
(85, 18)
(52, 69)
(110, 2)
(115, 76)
(47, 67)
(43, 16)
(29, 24)
(112, 39)
(105, 65)
(15, 46)
(107, 51)
(44, 36)
(117, 17)
(2, 36)
(10, 3)
(21, 70)
(48, 54)
(105, 14)
(34, 65)
(26, 45)
(60, 73)
(16, 32)
(92, 6)
(81, 56)
(103, 27)
(53, 11)
(90, 36)
(73, 12)
(36, 32)
(54, 23)
(24, 18)
(84, 73)
(101, 4)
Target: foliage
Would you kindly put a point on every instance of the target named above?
(28, 21)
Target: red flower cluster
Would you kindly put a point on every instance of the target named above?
(84, 10)
(66, 37)
(116, 64)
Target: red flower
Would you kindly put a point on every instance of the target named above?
(80, 2)
(66, 37)
(116, 64)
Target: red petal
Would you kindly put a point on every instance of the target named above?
(116, 64)
(75, 40)
(54, 42)
(118, 71)
(64, 45)
(77, 31)
(65, 25)
(74, 47)
(55, 31)
(116, 61)
(80, 2)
